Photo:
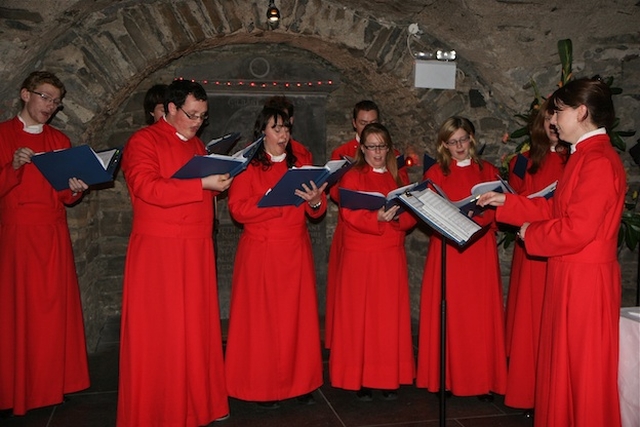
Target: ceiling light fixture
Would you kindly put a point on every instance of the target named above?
(434, 68)
(273, 15)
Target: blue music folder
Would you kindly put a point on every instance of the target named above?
(218, 164)
(283, 193)
(78, 162)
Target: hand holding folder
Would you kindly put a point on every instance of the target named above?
(372, 200)
(468, 206)
(78, 162)
(283, 193)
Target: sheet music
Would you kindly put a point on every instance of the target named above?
(445, 217)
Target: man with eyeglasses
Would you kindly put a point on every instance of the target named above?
(171, 363)
(42, 343)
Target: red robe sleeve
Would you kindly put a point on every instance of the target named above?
(142, 171)
(9, 177)
(581, 215)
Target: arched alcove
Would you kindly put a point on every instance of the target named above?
(108, 54)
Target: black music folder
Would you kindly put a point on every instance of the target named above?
(223, 144)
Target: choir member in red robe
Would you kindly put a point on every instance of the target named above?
(171, 362)
(371, 345)
(545, 163)
(43, 353)
(273, 345)
(577, 229)
(476, 361)
(364, 113)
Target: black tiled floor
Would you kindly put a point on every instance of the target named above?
(96, 407)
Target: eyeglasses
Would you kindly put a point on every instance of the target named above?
(48, 99)
(376, 147)
(203, 116)
(461, 140)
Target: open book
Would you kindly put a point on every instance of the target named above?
(372, 200)
(218, 164)
(546, 192)
(441, 215)
(283, 193)
(78, 162)
(223, 144)
(468, 206)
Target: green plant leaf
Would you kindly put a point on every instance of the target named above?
(565, 50)
(631, 237)
(519, 133)
(625, 133)
(617, 142)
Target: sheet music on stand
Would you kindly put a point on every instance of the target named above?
(441, 214)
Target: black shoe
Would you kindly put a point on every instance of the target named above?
(528, 413)
(486, 397)
(389, 394)
(306, 399)
(271, 404)
(365, 394)
(223, 418)
(6, 413)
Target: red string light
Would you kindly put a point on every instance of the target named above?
(262, 84)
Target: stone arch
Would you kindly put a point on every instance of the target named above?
(107, 55)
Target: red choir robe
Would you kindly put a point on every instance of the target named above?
(43, 352)
(348, 149)
(300, 151)
(577, 229)
(273, 344)
(524, 300)
(371, 342)
(476, 361)
(171, 362)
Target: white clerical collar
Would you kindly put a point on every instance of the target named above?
(178, 134)
(463, 163)
(380, 170)
(33, 129)
(599, 131)
(552, 148)
(357, 137)
(277, 159)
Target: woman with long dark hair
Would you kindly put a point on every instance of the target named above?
(273, 347)
(544, 164)
(577, 229)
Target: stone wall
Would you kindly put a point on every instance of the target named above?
(109, 53)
